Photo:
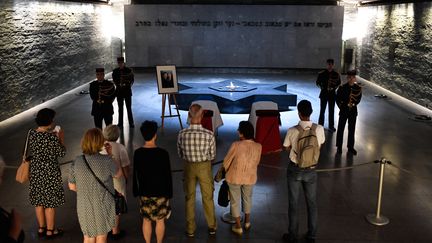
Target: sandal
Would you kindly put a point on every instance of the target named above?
(54, 233)
(41, 233)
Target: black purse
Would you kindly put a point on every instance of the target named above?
(223, 196)
(119, 199)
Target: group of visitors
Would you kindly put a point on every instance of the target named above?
(102, 171)
(99, 173)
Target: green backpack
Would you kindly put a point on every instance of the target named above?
(308, 149)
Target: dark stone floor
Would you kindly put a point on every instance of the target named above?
(384, 128)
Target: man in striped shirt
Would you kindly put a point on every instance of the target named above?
(197, 147)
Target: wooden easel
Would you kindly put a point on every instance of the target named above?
(166, 97)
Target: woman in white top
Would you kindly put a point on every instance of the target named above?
(121, 158)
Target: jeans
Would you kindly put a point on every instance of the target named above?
(307, 178)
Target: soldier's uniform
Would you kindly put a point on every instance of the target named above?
(103, 94)
(347, 99)
(328, 81)
(123, 79)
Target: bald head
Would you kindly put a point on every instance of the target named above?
(195, 114)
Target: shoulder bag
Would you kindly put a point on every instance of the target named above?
(223, 195)
(23, 171)
(120, 200)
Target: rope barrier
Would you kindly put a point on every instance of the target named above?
(282, 168)
(320, 170)
(345, 168)
(408, 171)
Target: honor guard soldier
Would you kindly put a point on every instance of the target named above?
(347, 98)
(328, 80)
(103, 93)
(123, 78)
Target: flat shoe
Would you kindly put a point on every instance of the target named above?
(42, 233)
(54, 233)
(238, 231)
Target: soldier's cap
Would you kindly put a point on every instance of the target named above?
(120, 59)
(351, 73)
(100, 70)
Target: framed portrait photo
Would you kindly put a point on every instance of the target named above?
(166, 79)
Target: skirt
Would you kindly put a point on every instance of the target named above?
(155, 208)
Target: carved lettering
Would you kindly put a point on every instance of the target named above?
(217, 24)
(158, 22)
(143, 23)
(324, 25)
(199, 23)
(252, 23)
(179, 23)
(231, 24)
(273, 24)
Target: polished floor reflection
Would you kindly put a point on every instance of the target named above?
(385, 128)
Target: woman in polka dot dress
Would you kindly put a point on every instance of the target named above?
(46, 186)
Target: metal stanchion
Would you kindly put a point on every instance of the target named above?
(228, 218)
(378, 219)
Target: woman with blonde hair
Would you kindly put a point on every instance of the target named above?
(120, 155)
(91, 176)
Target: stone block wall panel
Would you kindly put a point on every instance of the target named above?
(48, 48)
(396, 51)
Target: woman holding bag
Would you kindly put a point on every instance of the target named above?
(91, 176)
(241, 163)
(45, 145)
(121, 158)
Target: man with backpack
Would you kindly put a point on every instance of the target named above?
(303, 142)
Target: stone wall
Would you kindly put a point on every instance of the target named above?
(48, 48)
(395, 49)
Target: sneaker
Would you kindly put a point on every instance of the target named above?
(190, 234)
(212, 231)
(247, 226)
(352, 151)
(235, 230)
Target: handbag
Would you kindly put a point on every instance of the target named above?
(23, 171)
(119, 199)
(223, 196)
